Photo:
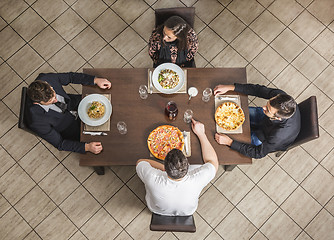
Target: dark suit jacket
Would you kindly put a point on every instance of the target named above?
(60, 129)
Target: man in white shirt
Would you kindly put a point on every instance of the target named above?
(173, 189)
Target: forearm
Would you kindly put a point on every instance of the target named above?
(257, 90)
(208, 152)
(250, 150)
(153, 163)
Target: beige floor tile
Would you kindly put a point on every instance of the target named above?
(304, 3)
(213, 236)
(47, 43)
(32, 236)
(277, 190)
(207, 10)
(78, 236)
(60, 155)
(8, 35)
(88, 9)
(303, 236)
(220, 171)
(45, 68)
(210, 44)
(20, 184)
(56, 226)
(269, 63)
(168, 236)
(115, 25)
(323, 102)
(285, 10)
(271, 230)
(323, 81)
(247, 11)
(124, 172)
(43, 9)
(13, 99)
(323, 145)
(166, 4)
(15, 142)
(234, 185)
(80, 206)
(200, 61)
(235, 220)
(66, 60)
(306, 26)
(255, 77)
(322, 226)
(35, 206)
(328, 162)
(70, 2)
(267, 26)
(72, 164)
(12, 226)
(291, 81)
(128, 43)
(3, 24)
(326, 120)
(124, 211)
(88, 43)
(23, 25)
(248, 44)
(227, 25)
(125, 236)
(257, 206)
(59, 184)
(6, 161)
(229, 58)
(138, 187)
(258, 168)
(319, 184)
(213, 206)
(68, 25)
(9, 10)
(25, 61)
(138, 228)
(324, 44)
(4, 206)
(330, 206)
(323, 10)
(258, 236)
(103, 187)
(202, 230)
(303, 212)
(7, 119)
(38, 162)
(199, 25)
(288, 44)
(144, 24)
(310, 63)
(142, 60)
(129, 10)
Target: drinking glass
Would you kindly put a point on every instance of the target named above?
(143, 91)
(121, 126)
(207, 93)
(171, 110)
(188, 115)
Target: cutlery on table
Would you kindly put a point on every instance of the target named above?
(95, 133)
(222, 97)
(185, 136)
(151, 87)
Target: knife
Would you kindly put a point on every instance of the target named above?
(185, 142)
(151, 87)
(95, 133)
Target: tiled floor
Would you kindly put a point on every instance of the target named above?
(44, 194)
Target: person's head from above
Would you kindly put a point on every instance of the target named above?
(176, 164)
(41, 92)
(175, 28)
(280, 107)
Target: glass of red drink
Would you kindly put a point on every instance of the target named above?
(171, 110)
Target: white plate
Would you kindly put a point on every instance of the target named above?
(175, 68)
(86, 103)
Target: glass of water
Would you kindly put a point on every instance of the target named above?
(207, 93)
(121, 126)
(188, 115)
(143, 91)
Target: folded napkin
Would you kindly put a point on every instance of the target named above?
(182, 90)
(102, 128)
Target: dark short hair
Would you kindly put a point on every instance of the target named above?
(176, 164)
(40, 91)
(285, 104)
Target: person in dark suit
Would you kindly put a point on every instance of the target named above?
(52, 114)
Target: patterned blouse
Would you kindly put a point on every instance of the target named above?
(155, 45)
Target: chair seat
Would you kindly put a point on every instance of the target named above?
(172, 223)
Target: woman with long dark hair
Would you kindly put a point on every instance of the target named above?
(174, 41)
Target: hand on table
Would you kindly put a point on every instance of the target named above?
(223, 139)
(197, 127)
(102, 83)
(221, 89)
(94, 147)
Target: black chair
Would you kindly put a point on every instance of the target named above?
(172, 223)
(187, 13)
(309, 123)
(25, 104)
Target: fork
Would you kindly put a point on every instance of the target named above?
(185, 136)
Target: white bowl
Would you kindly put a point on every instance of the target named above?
(175, 68)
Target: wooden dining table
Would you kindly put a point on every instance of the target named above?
(143, 115)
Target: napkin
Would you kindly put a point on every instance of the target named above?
(227, 98)
(104, 127)
(182, 90)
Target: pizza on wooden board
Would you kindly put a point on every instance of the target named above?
(229, 116)
(163, 139)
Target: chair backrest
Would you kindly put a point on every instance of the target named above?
(172, 223)
(25, 104)
(309, 121)
(187, 13)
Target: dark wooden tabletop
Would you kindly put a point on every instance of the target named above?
(142, 116)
